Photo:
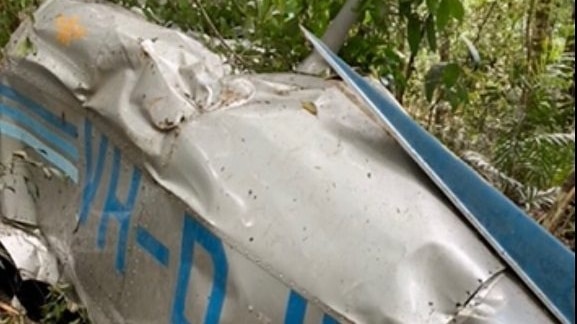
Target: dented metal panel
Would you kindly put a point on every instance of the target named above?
(538, 257)
(189, 194)
(492, 303)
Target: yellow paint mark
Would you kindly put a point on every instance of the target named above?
(69, 29)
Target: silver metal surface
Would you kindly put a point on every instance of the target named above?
(198, 195)
(501, 300)
(30, 253)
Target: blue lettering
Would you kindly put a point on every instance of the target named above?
(327, 319)
(92, 177)
(193, 232)
(295, 309)
(120, 211)
(152, 245)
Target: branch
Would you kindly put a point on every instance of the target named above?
(528, 33)
(484, 22)
(432, 110)
(409, 70)
(218, 35)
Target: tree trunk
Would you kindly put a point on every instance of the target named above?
(570, 48)
(538, 35)
(541, 33)
(559, 213)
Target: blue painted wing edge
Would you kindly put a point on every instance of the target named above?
(545, 265)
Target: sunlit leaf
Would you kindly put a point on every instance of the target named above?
(443, 14)
(432, 5)
(457, 9)
(451, 74)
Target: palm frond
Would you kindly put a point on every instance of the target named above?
(491, 173)
(554, 139)
(528, 196)
(533, 198)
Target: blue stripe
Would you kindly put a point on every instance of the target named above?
(56, 121)
(545, 265)
(55, 158)
(61, 144)
(295, 309)
(153, 246)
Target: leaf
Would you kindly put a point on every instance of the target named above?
(451, 74)
(448, 9)
(414, 33)
(462, 93)
(431, 33)
(447, 75)
(457, 9)
(443, 14)
(310, 107)
(368, 18)
(432, 5)
(25, 47)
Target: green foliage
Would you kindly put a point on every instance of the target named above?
(448, 9)
(414, 34)
(431, 30)
(12, 12)
(58, 307)
(265, 33)
(441, 76)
